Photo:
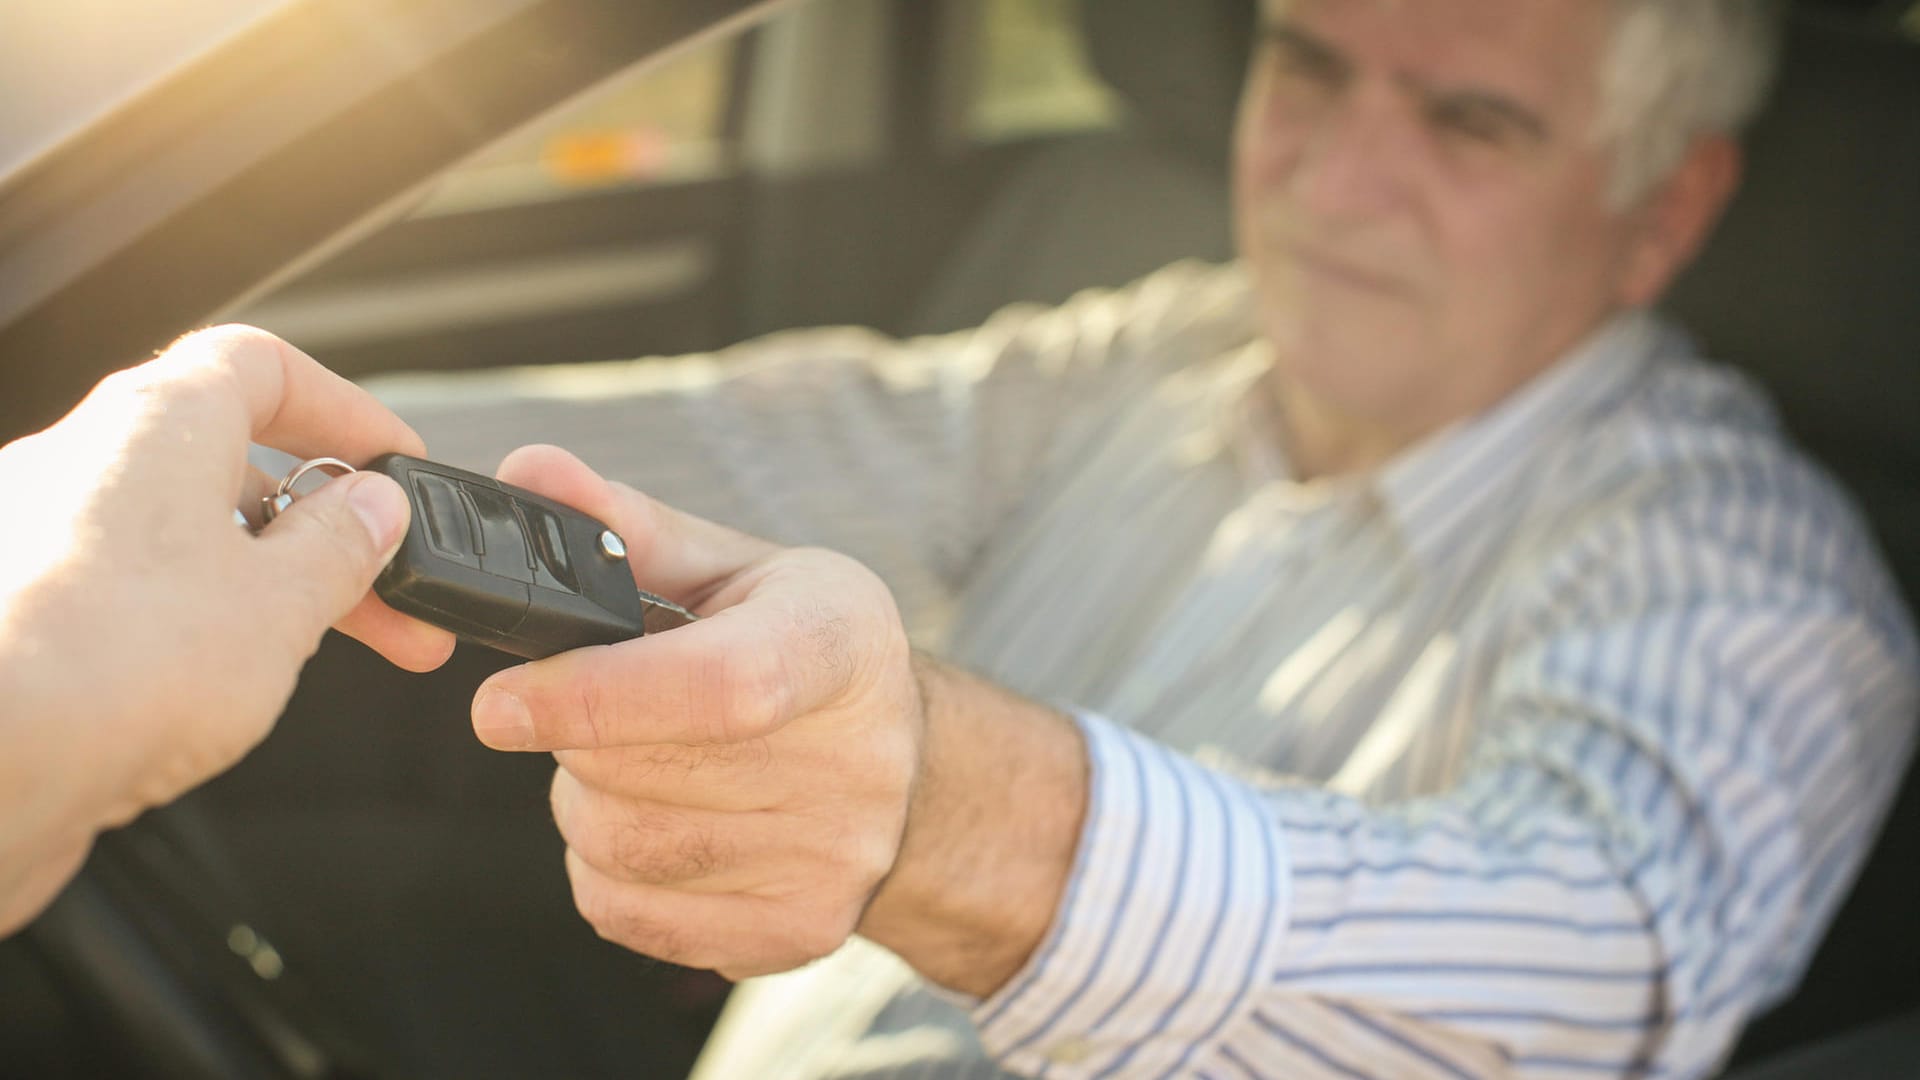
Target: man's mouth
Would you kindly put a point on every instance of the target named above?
(1318, 264)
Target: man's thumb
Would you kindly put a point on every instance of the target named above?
(675, 554)
(327, 547)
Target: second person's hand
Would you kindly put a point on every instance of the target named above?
(146, 642)
(732, 792)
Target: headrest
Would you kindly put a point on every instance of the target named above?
(1178, 65)
(1813, 280)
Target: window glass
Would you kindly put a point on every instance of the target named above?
(663, 123)
(1031, 76)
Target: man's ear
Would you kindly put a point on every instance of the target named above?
(1675, 219)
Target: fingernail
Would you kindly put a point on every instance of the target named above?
(502, 721)
(381, 507)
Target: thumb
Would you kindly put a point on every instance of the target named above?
(324, 551)
(675, 554)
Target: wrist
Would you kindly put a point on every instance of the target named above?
(992, 830)
(62, 759)
(41, 756)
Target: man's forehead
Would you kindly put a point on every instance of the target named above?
(1534, 50)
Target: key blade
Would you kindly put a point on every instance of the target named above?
(658, 614)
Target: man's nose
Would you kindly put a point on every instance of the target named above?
(1351, 163)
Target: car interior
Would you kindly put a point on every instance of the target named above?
(374, 894)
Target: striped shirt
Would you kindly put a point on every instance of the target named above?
(1546, 749)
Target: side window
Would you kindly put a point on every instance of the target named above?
(595, 230)
(661, 124)
(1030, 74)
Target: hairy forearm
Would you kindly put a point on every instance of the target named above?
(991, 835)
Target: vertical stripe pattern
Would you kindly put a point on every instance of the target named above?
(1547, 749)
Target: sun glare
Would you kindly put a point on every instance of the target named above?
(63, 62)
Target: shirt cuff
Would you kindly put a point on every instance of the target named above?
(1172, 921)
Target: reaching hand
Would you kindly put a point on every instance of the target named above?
(732, 792)
(146, 642)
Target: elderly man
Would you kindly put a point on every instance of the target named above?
(1449, 673)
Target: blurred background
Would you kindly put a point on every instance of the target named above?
(440, 185)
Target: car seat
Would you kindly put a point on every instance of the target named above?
(1109, 208)
(1810, 286)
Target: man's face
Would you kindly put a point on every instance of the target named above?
(1422, 201)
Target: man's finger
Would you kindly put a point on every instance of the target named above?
(738, 936)
(319, 558)
(732, 778)
(645, 842)
(405, 641)
(293, 403)
(723, 679)
(676, 555)
(298, 540)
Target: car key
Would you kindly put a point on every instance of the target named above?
(503, 567)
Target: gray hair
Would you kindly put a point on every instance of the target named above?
(1678, 69)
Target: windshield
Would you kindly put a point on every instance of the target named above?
(65, 62)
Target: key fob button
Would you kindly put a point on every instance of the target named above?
(451, 529)
(552, 568)
(503, 551)
(503, 567)
(612, 547)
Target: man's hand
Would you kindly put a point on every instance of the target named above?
(146, 641)
(732, 792)
(745, 792)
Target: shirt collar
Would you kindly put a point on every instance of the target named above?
(1450, 481)
(1444, 485)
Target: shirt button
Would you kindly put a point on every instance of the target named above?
(1070, 1052)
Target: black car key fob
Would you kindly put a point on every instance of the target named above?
(502, 567)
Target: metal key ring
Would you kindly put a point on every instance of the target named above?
(272, 505)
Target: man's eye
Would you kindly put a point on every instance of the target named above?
(1289, 58)
(1310, 68)
(1473, 124)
